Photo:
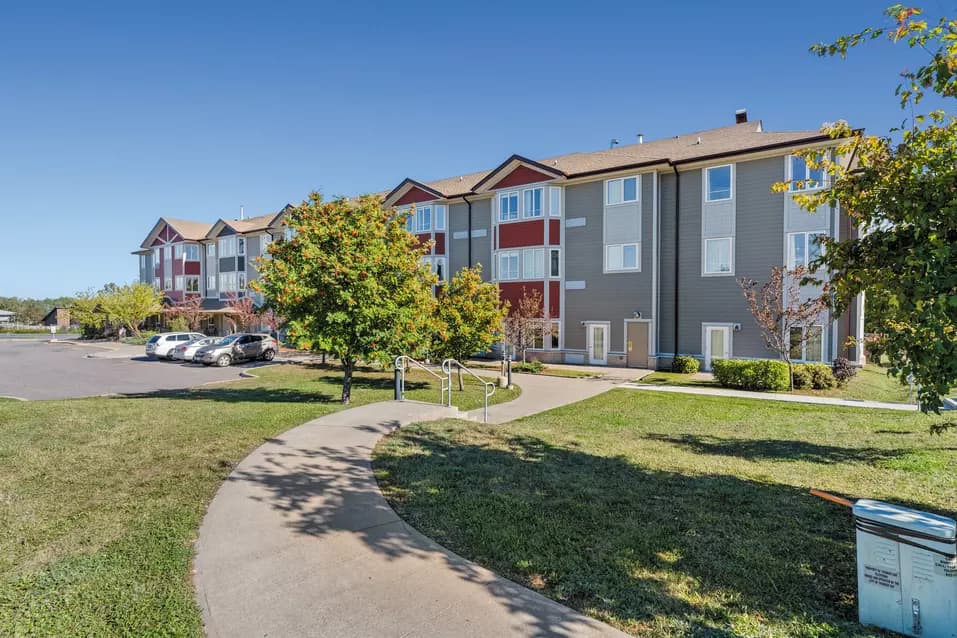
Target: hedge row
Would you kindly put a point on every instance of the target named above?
(763, 375)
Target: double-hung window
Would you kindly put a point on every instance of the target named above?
(804, 178)
(423, 219)
(532, 201)
(508, 206)
(621, 191)
(288, 233)
(241, 246)
(718, 187)
(533, 263)
(439, 222)
(803, 249)
(191, 252)
(807, 343)
(156, 258)
(178, 282)
(168, 267)
(241, 280)
(227, 247)
(554, 262)
(508, 265)
(719, 256)
(554, 201)
(210, 283)
(192, 283)
(620, 257)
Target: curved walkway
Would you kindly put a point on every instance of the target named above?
(299, 541)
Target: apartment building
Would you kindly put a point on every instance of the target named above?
(637, 250)
(216, 262)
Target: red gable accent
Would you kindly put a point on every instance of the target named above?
(521, 175)
(158, 241)
(414, 196)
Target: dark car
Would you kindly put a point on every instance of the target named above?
(238, 347)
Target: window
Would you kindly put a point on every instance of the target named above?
(508, 206)
(621, 191)
(440, 268)
(192, 283)
(227, 247)
(210, 283)
(240, 246)
(803, 249)
(508, 265)
(621, 257)
(532, 198)
(156, 282)
(440, 217)
(807, 343)
(179, 282)
(718, 186)
(241, 280)
(227, 282)
(554, 334)
(423, 219)
(554, 262)
(210, 250)
(719, 256)
(191, 251)
(533, 263)
(554, 201)
(804, 178)
(167, 282)
(288, 233)
(178, 248)
(538, 336)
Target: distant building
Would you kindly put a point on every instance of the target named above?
(6, 316)
(59, 317)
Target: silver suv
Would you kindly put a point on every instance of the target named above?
(243, 346)
(161, 346)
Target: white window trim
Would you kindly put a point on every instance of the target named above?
(704, 258)
(707, 184)
(806, 189)
(636, 200)
(555, 196)
(531, 254)
(187, 279)
(548, 264)
(518, 206)
(435, 217)
(210, 289)
(804, 358)
(526, 214)
(637, 268)
(498, 264)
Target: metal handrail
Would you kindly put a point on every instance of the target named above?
(489, 386)
(445, 383)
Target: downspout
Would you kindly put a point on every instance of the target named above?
(677, 250)
(466, 199)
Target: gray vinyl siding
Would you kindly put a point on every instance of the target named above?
(458, 256)
(611, 297)
(758, 246)
(227, 264)
(666, 262)
(146, 271)
(253, 250)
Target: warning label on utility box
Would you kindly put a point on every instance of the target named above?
(882, 577)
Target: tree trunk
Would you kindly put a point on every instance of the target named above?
(347, 366)
(790, 373)
(461, 383)
(134, 329)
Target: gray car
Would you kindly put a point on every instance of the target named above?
(243, 346)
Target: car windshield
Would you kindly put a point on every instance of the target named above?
(225, 341)
(154, 339)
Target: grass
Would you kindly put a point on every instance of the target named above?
(101, 498)
(871, 383)
(671, 515)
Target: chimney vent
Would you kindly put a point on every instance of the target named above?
(641, 138)
(613, 143)
(741, 116)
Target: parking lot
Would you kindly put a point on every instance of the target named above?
(35, 369)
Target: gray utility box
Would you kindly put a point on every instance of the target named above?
(906, 570)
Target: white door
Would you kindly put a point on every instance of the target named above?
(598, 344)
(717, 344)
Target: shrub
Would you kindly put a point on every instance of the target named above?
(179, 324)
(759, 374)
(533, 367)
(685, 364)
(801, 377)
(822, 378)
(843, 370)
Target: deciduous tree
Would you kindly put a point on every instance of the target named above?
(243, 311)
(779, 305)
(190, 310)
(351, 282)
(525, 320)
(470, 314)
(130, 305)
(901, 189)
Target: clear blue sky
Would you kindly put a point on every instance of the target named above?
(113, 114)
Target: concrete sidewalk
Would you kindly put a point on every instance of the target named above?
(540, 393)
(771, 396)
(299, 541)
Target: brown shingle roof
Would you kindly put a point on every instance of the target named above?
(738, 138)
(193, 231)
(252, 224)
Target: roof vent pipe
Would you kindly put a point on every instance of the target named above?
(613, 143)
(242, 212)
(741, 116)
(641, 138)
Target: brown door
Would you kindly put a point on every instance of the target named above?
(637, 344)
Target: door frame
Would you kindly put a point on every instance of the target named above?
(650, 338)
(588, 342)
(706, 354)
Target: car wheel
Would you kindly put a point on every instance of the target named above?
(224, 360)
(269, 355)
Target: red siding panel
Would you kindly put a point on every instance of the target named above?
(424, 237)
(513, 291)
(554, 232)
(516, 234)
(439, 244)
(521, 175)
(414, 195)
(193, 268)
(554, 299)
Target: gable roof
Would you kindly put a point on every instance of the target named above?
(689, 147)
(188, 230)
(249, 225)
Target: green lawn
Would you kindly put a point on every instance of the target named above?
(871, 383)
(671, 515)
(100, 499)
